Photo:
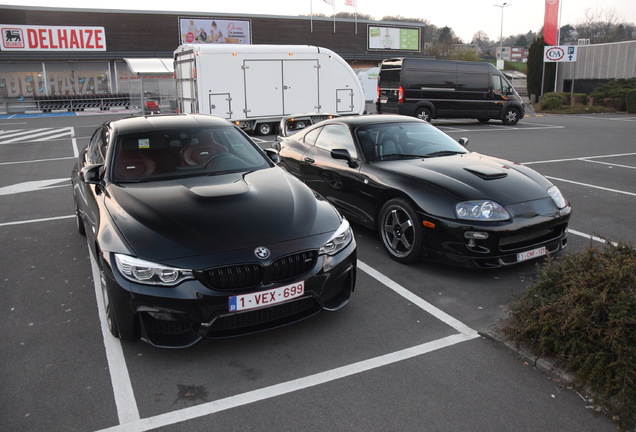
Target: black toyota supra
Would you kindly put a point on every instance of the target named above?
(198, 234)
(427, 195)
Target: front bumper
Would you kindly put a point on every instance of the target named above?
(447, 242)
(177, 317)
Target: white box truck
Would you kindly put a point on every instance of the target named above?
(254, 86)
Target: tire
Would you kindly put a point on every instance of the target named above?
(400, 231)
(112, 324)
(80, 223)
(511, 116)
(483, 120)
(424, 114)
(264, 129)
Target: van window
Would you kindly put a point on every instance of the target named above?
(497, 86)
(472, 81)
(431, 79)
(390, 78)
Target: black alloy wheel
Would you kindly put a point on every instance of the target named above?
(400, 231)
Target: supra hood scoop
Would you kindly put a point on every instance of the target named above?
(486, 172)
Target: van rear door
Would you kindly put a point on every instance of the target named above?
(389, 84)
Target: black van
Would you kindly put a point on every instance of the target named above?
(429, 88)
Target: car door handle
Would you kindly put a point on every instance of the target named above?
(309, 160)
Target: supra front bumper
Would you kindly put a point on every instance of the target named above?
(449, 241)
(176, 317)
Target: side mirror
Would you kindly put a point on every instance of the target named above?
(91, 174)
(273, 155)
(463, 141)
(344, 155)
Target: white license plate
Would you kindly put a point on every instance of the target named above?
(534, 253)
(266, 298)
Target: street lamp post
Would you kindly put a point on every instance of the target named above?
(502, 6)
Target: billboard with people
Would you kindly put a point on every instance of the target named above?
(205, 30)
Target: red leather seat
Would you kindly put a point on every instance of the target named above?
(199, 153)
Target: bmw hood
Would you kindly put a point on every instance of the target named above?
(206, 215)
(475, 176)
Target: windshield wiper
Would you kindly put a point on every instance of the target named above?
(444, 153)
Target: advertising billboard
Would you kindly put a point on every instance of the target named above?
(206, 30)
(394, 38)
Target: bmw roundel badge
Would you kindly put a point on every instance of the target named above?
(262, 252)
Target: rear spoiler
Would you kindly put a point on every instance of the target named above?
(291, 124)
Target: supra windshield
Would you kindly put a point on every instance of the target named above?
(391, 141)
(162, 154)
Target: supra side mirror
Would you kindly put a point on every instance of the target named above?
(344, 155)
(463, 141)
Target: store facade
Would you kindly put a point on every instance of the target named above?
(49, 54)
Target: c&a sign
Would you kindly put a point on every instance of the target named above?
(51, 38)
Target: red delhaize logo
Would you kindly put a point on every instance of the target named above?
(12, 38)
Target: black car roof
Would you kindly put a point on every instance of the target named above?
(364, 120)
(165, 121)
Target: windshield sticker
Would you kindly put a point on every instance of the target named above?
(144, 143)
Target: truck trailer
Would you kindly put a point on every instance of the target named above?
(254, 86)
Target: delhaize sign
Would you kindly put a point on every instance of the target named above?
(52, 38)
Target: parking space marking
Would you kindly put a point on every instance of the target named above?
(582, 158)
(592, 186)
(124, 394)
(494, 127)
(127, 411)
(35, 220)
(590, 237)
(24, 135)
(609, 163)
(31, 186)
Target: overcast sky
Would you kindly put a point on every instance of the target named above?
(465, 17)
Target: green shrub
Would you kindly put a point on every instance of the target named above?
(551, 101)
(613, 93)
(630, 101)
(581, 311)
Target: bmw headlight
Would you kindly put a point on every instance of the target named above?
(339, 240)
(481, 210)
(557, 197)
(149, 273)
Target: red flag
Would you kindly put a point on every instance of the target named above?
(551, 22)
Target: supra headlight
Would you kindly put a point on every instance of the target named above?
(481, 210)
(149, 273)
(557, 197)
(338, 241)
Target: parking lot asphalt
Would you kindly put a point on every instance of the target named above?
(405, 354)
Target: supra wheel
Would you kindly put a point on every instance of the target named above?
(423, 114)
(264, 128)
(400, 231)
(511, 116)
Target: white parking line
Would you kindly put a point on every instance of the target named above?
(584, 158)
(591, 237)
(609, 163)
(124, 390)
(35, 220)
(592, 186)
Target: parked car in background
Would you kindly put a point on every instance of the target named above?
(426, 194)
(429, 89)
(197, 233)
